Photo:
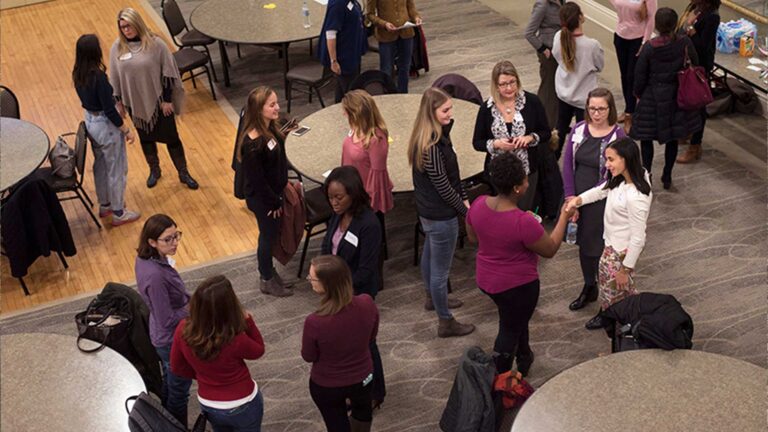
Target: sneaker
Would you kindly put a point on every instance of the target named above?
(104, 212)
(127, 217)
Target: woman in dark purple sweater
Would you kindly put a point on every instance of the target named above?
(336, 339)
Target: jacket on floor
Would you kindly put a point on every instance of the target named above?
(470, 406)
(658, 320)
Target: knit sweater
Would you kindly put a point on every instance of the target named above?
(572, 87)
(629, 25)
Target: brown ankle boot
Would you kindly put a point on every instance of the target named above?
(279, 279)
(451, 327)
(274, 288)
(692, 154)
(452, 303)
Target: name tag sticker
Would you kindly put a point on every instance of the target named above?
(271, 144)
(350, 6)
(327, 173)
(126, 56)
(578, 138)
(351, 238)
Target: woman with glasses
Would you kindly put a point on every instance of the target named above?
(583, 169)
(166, 296)
(512, 121)
(336, 341)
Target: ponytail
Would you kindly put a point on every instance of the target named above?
(570, 19)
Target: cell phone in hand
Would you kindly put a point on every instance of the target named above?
(301, 130)
(290, 125)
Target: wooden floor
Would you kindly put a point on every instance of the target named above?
(36, 58)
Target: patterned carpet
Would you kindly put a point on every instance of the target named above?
(706, 245)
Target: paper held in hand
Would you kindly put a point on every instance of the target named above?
(407, 24)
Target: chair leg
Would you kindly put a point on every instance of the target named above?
(90, 212)
(210, 81)
(23, 286)
(85, 194)
(288, 90)
(192, 75)
(238, 51)
(62, 259)
(319, 97)
(210, 60)
(304, 251)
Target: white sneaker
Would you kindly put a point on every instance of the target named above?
(127, 217)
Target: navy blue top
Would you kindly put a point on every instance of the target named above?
(346, 17)
(97, 96)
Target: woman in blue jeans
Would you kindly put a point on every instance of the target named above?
(166, 296)
(440, 201)
(106, 128)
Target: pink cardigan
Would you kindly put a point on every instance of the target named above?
(372, 166)
(629, 25)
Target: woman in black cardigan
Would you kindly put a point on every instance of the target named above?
(354, 234)
(513, 120)
(657, 116)
(699, 22)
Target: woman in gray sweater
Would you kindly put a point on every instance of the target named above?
(579, 59)
(540, 31)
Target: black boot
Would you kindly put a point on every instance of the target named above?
(524, 363)
(597, 322)
(154, 176)
(187, 179)
(588, 295)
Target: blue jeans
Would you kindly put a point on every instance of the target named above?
(245, 418)
(401, 51)
(436, 259)
(175, 390)
(110, 164)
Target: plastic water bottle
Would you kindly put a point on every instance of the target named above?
(305, 14)
(570, 234)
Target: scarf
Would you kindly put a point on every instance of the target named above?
(137, 78)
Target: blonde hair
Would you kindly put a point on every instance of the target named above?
(504, 67)
(427, 130)
(253, 118)
(334, 274)
(137, 22)
(570, 19)
(364, 116)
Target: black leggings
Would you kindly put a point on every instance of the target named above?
(626, 53)
(565, 112)
(516, 306)
(332, 403)
(670, 154)
(699, 134)
(589, 268)
(269, 230)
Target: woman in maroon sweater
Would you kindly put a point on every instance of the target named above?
(227, 393)
(336, 339)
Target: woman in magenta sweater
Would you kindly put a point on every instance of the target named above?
(336, 341)
(509, 244)
(211, 346)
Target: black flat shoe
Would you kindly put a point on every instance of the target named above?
(524, 364)
(588, 295)
(189, 181)
(154, 176)
(597, 322)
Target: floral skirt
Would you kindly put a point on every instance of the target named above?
(610, 264)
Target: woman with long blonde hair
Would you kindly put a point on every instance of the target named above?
(440, 201)
(147, 85)
(336, 341)
(580, 59)
(264, 168)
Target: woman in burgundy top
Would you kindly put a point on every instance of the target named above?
(509, 243)
(336, 341)
(211, 346)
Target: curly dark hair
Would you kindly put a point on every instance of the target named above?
(506, 172)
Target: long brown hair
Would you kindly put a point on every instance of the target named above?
(215, 318)
(334, 274)
(427, 130)
(88, 60)
(603, 93)
(364, 115)
(254, 118)
(153, 228)
(570, 19)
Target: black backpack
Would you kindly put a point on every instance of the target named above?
(148, 415)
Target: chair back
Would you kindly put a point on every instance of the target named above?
(375, 82)
(316, 205)
(9, 104)
(173, 18)
(459, 87)
(81, 146)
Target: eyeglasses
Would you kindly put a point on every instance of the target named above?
(508, 84)
(311, 279)
(597, 109)
(125, 27)
(172, 238)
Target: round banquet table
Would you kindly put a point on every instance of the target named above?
(319, 150)
(48, 384)
(23, 148)
(650, 390)
(249, 22)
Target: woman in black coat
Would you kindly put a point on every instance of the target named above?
(657, 116)
(354, 234)
(699, 22)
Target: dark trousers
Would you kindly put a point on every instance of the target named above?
(547, 93)
(175, 149)
(269, 231)
(699, 135)
(378, 386)
(343, 82)
(516, 306)
(589, 267)
(332, 403)
(670, 154)
(397, 52)
(626, 53)
(565, 112)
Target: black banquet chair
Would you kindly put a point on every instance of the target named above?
(182, 35)
(318, 212)
(312, 75)
(375, 82)
(189, 59)
(9, 103)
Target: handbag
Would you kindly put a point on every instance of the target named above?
(106, 323)
(513, 388)
(62, 159)
(693, 91)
